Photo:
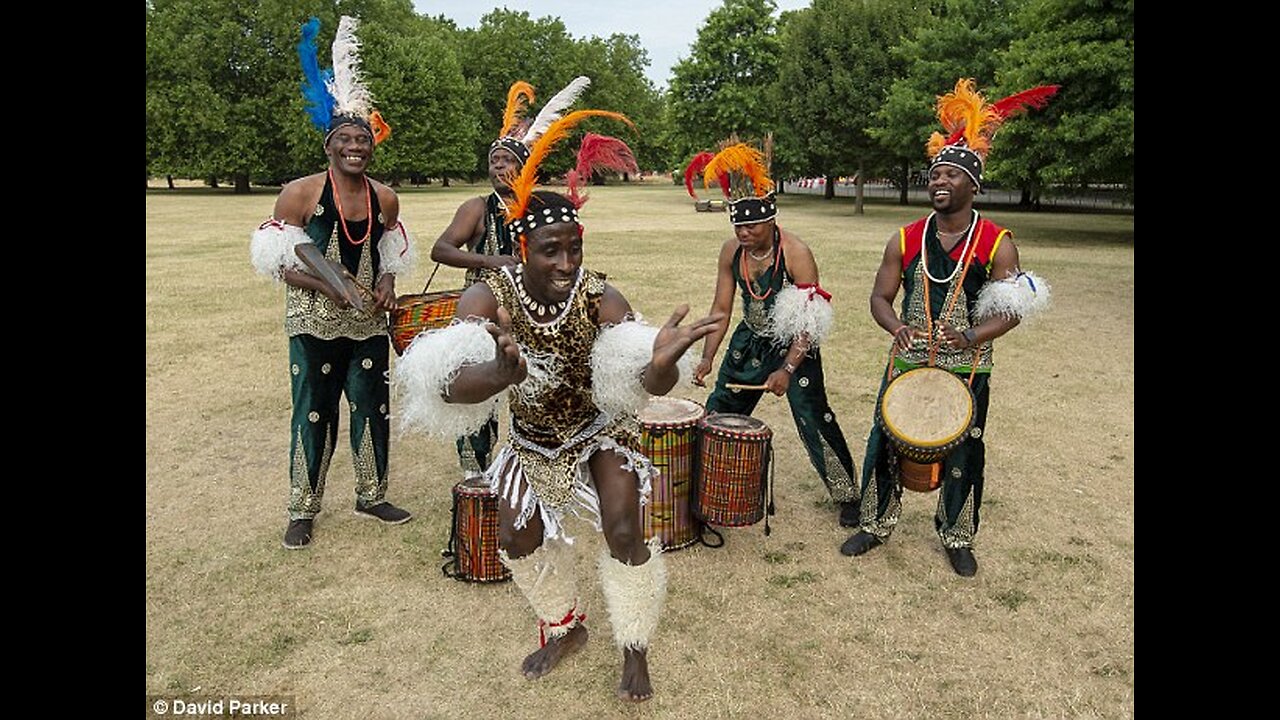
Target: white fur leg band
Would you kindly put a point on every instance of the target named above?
(801, 310)
(619, 358)
(634, 595)
(427, 370)
(546, 578)
(396, 251)
(1019, 296)
(271, 248)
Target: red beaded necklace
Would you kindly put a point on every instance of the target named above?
(342, 218)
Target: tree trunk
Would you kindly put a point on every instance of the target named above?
(169, 179)
(829, 189)
(782, 187)
(1025, 200)
(857, 203)
(626, 177)
(212, 182)
(906, 182)
(242, 184)
(444, 181)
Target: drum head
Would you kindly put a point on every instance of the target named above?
(927, 407)
(670, 411)
(734, 423)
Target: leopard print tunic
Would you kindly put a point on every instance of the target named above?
(555, 425)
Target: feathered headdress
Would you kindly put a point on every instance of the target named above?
(338, 96)
(601, 153)
(971, 124)
(518, 137)
(519, 95)
(742, 172)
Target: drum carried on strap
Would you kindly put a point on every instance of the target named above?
(473, 540)
(737, 456)
(669, 437)
(419, 313)
(925, 413)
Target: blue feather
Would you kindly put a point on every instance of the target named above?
(314, 91)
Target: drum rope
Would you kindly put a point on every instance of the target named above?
(430, 278)
(451, 551)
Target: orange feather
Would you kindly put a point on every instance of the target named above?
(519, 96)
(744, 160)
(523, 185)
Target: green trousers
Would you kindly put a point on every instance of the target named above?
(960, 496)
(321, 372)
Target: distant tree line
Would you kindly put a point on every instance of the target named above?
(846, 86)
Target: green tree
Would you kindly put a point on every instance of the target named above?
(724, 85)
(955, 39)
(835, 74)
(617, 66)
(510, 46)
(1085, 135)
(416, 76)
(217, 80)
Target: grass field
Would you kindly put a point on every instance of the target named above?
(362, 625)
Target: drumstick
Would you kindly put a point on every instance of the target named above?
(737, 386)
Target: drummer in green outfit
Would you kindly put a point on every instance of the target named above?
(786, 315)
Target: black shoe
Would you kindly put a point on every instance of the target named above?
(859, 542)
(297, 535)
(963, 561)
(850, 513)
(386, 512)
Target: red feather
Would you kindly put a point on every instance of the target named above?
(694, 169)
(598, 152)
(1036, 97)
(601, 152)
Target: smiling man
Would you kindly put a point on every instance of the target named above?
(335, 349)
(563, 346)
(961, 289)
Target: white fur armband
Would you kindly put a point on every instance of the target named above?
(271, 248)
(428, 368)
(1020, 296)
(801, 309)
(396, 250)
(619, 358)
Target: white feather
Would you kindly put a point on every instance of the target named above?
(271, 248)
(397, 251)
(423, 376)
(555, 107)
(350, 96)
(797, 311)
(1022, 296)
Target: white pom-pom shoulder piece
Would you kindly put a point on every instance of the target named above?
(1022, 295)
(801, 310)
(428, 368)
(271, 248)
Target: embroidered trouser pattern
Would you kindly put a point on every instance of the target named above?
(321, 371)
(959, 498)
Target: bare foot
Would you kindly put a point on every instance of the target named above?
(544, 659)
(634, 685)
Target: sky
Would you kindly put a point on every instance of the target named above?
(666, 27)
